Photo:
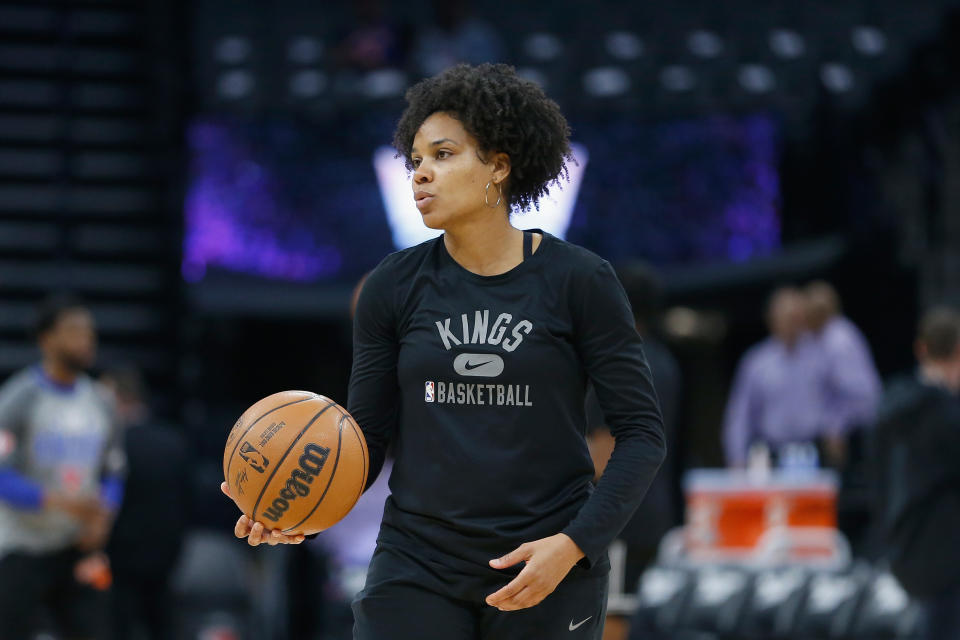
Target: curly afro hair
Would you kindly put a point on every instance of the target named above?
(506, 114)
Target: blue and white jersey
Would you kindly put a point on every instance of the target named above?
(63, 438)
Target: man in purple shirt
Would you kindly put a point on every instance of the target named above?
(813, 379)
(851, 385)
(777, 394)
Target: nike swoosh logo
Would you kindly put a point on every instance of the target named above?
(469, 366)
(574, 627)
(478, 365)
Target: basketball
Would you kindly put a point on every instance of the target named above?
(296, 461)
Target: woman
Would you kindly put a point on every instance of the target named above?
(472, 353)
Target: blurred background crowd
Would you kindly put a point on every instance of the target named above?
(191, 191)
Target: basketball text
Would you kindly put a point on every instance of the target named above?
(298, 484)
(498, 395)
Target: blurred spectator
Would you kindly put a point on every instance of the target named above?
(776, 397)
(918, 445)
(658, 513)
(374, 42)
(455, 36)
(851, 385)
(60, 482)
(142, 552)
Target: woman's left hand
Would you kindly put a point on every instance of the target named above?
(548, 561)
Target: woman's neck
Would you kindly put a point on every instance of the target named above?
(489, 247)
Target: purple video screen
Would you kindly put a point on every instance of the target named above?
(283, 198)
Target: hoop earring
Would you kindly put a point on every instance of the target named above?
(486, 196)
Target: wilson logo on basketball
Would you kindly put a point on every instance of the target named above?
(298, 484)
(253, 457)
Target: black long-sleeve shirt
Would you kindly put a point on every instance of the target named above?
(917, 487)
(479, 383)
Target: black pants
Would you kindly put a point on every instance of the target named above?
(140, 603)
(34, 585)
(394, 607)
(941, 616)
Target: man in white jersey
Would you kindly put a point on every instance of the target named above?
(60, 479)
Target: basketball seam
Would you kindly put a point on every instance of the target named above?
(233, 453)
(333, 473)
(253, 513)
(363, 451)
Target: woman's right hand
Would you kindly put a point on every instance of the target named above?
(256, 533)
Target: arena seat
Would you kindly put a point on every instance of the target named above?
(831, 605)
(717, 600)
(661, 602)
(775, 601)
(209, 585)
(887, 612)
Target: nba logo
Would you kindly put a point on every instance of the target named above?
(428, 391)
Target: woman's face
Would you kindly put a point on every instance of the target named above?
(449, 178)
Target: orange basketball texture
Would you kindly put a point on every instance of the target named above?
(296, 461)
